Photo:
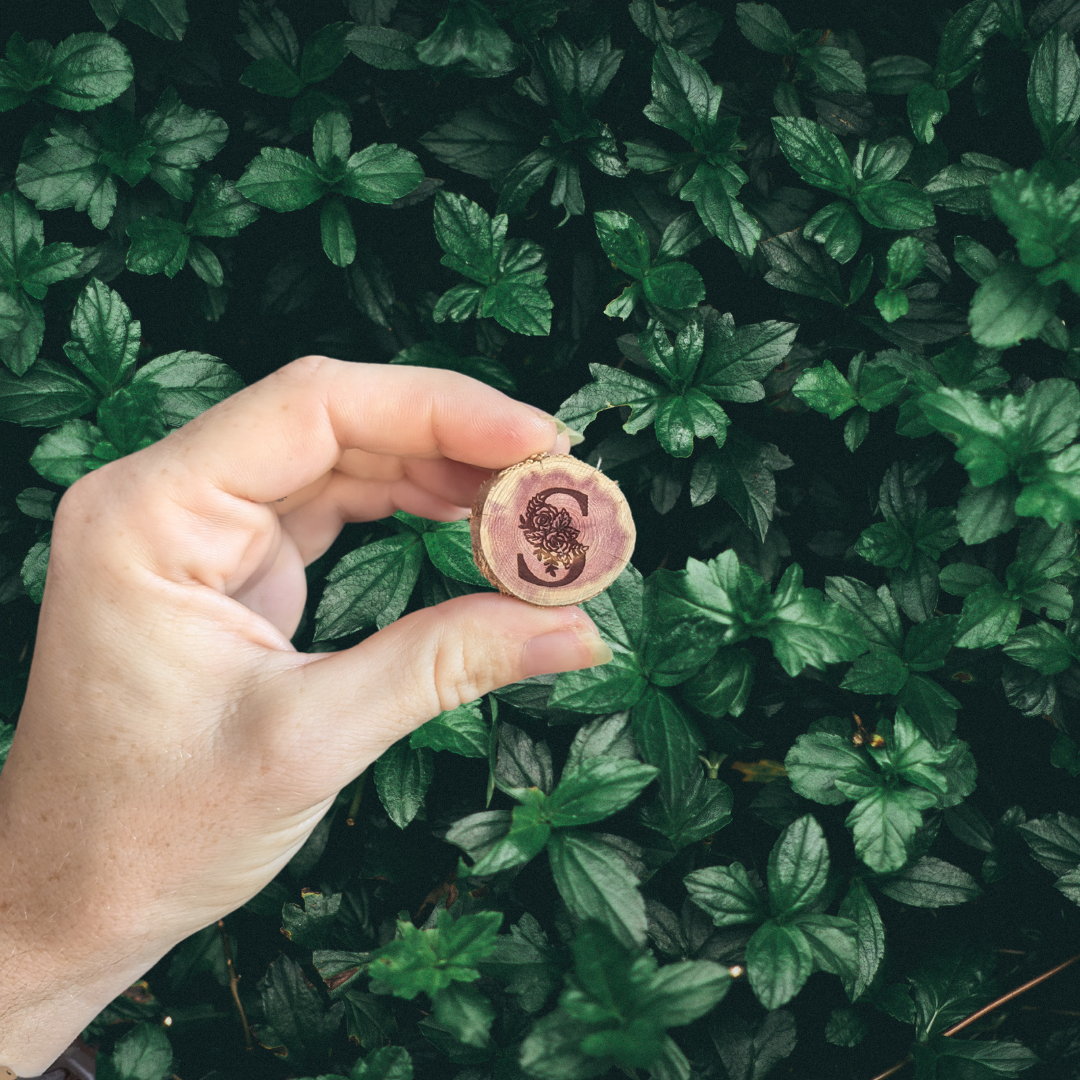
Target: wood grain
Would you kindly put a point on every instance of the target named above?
(551, 530)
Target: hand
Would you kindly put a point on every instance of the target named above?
(174, 750)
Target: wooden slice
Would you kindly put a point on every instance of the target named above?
(551, 530)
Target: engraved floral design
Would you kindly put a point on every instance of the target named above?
(551, 531)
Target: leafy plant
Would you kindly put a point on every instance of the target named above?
(804, 282)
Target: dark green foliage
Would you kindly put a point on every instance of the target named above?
(805, 280)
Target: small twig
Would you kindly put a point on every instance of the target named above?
(996, 1004)
(1010, 995)
(233, 979)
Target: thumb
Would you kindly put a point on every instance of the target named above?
(358, 702)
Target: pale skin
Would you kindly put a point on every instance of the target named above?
(174, 750)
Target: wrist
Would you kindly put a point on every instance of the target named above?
(60, 966)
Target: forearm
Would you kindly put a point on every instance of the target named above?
(62, 959)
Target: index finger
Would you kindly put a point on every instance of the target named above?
(290, 428)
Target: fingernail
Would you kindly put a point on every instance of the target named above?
(564, 650)
(575, 437)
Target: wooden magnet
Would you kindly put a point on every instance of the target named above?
(551, 530)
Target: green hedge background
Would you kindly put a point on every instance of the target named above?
(805, 278)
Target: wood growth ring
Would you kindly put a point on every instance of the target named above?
(551, 530)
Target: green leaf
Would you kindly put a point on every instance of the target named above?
(675, 285)
(369, 586)
(930, 883)
(323, 52)
(927, 106)
(762, 25)
(884, 823)
(462, 731)
(597, 789)
(836, 70)
(964, 187)
(87, 71)
(816, 154)
(187, 384)
(752, 1053)
(402, 777)
(999, 1057)
(778, 961)
(961, 43)
(512, 271)
(723, 685)
(624, 242)
(1042, 647)
(727, 894)
(46, 395)
(807, 630)
(931, 707)
(816, 762)
(879, 671)
(986, 512)
(798, 867)
(798, 266)
(951, 984)
(468, 35)
(875, 612)
(449, 546)
(895, 205)
(281, 179)
(837, 226)
(427, 961)
(712, 191)
(743, 472)
(595, 883)
(298, 1023)
(1054, 841)
(897, 74)
(859, 906)
(63, 169)
(166, 19)
(461, 1013)
(336, 228)
(183, 138)
(1053, 88)
(525, 839)
(380, 173)
(1010, 306)
(382, 47)
(143, 1054)
(684, 98)
(384, 1063)
(70, 451)
(611, 389)
(158, 246)
(130, 419)
(668, 739)
(989, 618)
(702, 807)
(825, 390)
(311, 925)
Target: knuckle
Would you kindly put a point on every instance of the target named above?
(305, 368)
(464, 670)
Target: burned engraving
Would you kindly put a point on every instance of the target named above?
(554, 538)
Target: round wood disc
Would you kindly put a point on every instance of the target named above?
(551, 530)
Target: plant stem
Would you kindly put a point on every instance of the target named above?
(354, 806)
(233, 980)
(996, 1004)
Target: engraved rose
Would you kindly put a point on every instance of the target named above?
(551, 531)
